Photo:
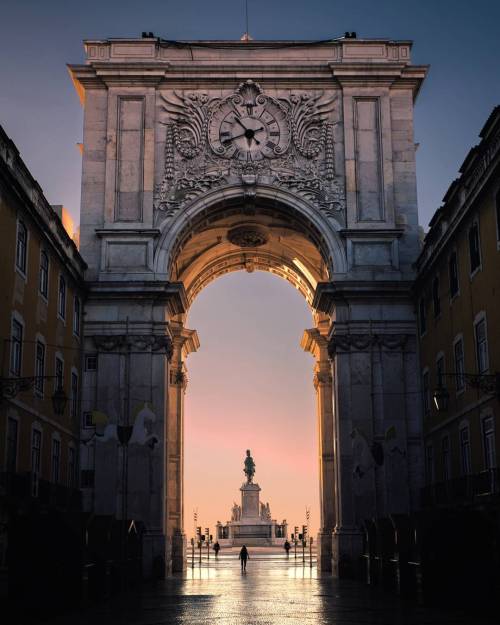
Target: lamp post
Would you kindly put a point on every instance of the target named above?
(487, 383)
(11, 387)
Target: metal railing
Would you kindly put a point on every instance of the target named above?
(464, 489)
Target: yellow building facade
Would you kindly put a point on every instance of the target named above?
(41, 316)
(458, 301)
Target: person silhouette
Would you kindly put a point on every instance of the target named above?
(244, 556)
(286, 546)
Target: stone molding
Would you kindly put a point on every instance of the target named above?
(134, 342)
(351, 343)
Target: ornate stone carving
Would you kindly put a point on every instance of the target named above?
(247, 138)
(364, 342)
(247, 236)
(134, 342)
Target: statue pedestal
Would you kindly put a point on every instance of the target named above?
(250, 500)
(249, 527)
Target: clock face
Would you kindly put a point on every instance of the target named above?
(249, 132)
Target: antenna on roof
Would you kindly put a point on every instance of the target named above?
(246, 35)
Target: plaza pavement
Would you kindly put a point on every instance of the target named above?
(273, 591)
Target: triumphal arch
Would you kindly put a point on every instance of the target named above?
(206, 157)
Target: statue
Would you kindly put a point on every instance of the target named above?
(262, 511)
(249, 469)
(235, 512)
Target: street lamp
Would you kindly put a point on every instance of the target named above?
(441, 397)
(487, 383)
(11, 387)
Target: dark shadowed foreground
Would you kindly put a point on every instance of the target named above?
(273, 591)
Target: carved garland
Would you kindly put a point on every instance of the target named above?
(363, 342)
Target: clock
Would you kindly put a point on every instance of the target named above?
(249, 130)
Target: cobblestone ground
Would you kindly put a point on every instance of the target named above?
(273, 591)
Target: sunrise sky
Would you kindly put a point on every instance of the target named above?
(250, 384)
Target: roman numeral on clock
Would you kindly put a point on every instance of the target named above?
(274, 134)
(270, 145)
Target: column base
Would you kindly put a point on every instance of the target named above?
(153, 554)
(324, 551)
(178, 553)
(347, 549)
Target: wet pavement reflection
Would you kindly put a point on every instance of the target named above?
(273, 591)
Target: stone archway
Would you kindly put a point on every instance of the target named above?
(251, 234)
(206, 157)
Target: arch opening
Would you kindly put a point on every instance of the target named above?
(250, 236)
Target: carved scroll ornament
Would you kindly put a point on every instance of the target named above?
(249, 137)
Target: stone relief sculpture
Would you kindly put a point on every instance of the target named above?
(248, 137)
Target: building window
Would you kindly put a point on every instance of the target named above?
(440, 371)
(436, 301)
(61, 300)
(74, 394)
(459, 364)
(43, 282)
(445, 451)
(11, 460)
(474, 247)
(498, 216)
(56, 459)
(21, 247)
(465, 463)
(71, 467)
(422, 316)
(87, 478)
(429, 464)
(59, 373)
(36, 446)
(39, 367)
(426, 392)
(76, 315)
(453, 274)
(88, 421)
(489, 443)
(91, 362)
(481, 346)
(16, 348)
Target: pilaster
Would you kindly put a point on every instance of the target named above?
(315, 341)
(184, 342)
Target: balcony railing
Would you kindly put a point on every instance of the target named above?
(464, 489)
(21, 486)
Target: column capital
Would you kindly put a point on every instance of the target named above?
(315, 342)
(185, 341)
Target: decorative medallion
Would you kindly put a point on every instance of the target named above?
(247, 236)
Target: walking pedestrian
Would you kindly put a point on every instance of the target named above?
(216, 548)
(244, 556)
(286, 547)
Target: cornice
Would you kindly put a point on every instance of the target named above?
(328, 294)
(172, 294)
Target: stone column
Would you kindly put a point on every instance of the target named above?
(184, 342)
(376, 430)
(316, 343)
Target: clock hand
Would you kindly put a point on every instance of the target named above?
(238, 120)
(243, 134)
